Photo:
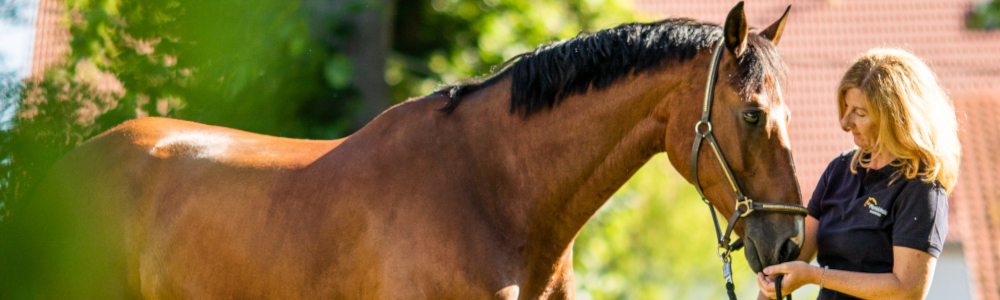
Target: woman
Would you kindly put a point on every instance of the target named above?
(879, 215)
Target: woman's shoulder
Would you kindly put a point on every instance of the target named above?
(924, 189)
(841, 162)
(846, 155)
(918, 196)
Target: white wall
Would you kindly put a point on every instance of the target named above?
(951, 279)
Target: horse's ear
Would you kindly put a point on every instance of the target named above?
(774, 31)
(736, 30)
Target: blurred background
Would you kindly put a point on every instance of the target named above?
(321, 69)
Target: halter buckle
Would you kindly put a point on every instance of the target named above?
(746, 202)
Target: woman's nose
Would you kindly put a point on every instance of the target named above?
(845, 121)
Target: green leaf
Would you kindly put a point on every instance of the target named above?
(338, 71)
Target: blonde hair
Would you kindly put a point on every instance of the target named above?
(914, 119)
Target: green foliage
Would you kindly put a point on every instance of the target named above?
(248, 65)
(10, 89)
(53, 116)
(445, 41)
(655, 240)
(985, 15)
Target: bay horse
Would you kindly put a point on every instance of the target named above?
(474, 192)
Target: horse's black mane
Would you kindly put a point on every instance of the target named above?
(544, 77)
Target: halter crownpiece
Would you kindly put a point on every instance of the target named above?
(744, 205)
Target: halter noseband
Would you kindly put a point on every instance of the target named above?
(744, 205)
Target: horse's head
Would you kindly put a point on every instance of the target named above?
(750, 124)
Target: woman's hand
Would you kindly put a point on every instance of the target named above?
(797, 273)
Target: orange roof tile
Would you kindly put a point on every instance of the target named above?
(52, 37)
(977, 208)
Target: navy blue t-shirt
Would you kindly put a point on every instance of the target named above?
(861, 217)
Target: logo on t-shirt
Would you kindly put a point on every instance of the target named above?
(873, 208)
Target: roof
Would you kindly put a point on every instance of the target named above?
(823, 36)
(51, 37)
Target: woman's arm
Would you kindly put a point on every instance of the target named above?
(808, 251)
(911, 276)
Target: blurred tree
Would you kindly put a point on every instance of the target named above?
(984, 15)
(249, 65)
(242, 64)
(10, 89)
(444, 41)
(361, 31)
(53, 116)
(654, 240)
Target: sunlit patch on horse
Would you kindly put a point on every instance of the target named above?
(199, 144)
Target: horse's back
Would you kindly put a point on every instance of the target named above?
(188, 210)
(156, 206)
(170, 138)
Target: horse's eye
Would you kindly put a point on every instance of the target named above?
(751, 117)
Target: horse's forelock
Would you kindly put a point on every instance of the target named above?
(760, 69)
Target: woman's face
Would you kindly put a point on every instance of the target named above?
(856, 119)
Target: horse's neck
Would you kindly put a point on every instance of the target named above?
(556, 168)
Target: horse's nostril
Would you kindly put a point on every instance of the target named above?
(789, 251)
(783, 252)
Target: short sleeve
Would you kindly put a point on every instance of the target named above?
(813, 207)
(921, 218)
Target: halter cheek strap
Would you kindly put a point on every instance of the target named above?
(703, 132)
(744, 205)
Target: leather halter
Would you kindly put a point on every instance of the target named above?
(744, 205)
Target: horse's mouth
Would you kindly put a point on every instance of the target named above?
(754, 258)
(758, 260)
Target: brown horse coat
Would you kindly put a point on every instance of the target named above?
(419, 204)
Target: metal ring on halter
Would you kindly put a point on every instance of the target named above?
(697, 127)
(722, 252)
(746, 202)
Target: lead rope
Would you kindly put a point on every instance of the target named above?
(731, 289)
(777, 287)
